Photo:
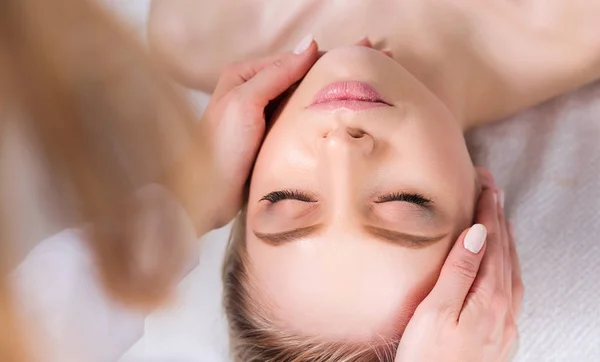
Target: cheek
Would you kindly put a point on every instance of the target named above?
(446, 149)
(281, 155)
(285, 141)
(426, 263)
(441, 160)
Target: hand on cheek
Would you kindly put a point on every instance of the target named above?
(234, 121)
(470, 315)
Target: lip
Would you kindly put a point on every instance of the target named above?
(352, 95)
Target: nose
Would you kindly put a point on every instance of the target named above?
(349, 139)
(345, 156)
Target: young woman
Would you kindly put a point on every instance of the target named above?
(108, 123)
(364, 179)
(361, 186)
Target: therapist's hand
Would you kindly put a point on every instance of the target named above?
(234, 121)
(471, 313)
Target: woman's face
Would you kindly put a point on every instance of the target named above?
(355, 201)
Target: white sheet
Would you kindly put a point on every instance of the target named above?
(547, 159)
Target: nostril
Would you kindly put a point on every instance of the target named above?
(355, 133)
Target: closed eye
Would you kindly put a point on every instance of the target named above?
(280, 195)
(416, 199)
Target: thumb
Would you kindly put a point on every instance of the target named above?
(280, 75)
(459, 271)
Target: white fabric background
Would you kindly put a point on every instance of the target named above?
(548, 161)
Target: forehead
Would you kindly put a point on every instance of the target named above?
(342, 286)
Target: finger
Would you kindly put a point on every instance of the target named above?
(503, 235)
(510, 342)
(513, 348)
(458, 272)
(485, 178)
(491, 275)
(517, 282)
(278, 76)
(239, 73)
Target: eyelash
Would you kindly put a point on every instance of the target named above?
(280, 195)
(405, 197)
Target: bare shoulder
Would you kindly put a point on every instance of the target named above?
(490, 57)
(521, 53)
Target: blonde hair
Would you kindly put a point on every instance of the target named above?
(253, 334)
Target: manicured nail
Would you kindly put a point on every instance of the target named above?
(501, 198)
(475, 238)
(304, 44)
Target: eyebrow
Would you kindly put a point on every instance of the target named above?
(403, 239)
(288, 236)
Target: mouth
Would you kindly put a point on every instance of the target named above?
(351, 95)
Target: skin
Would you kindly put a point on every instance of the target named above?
(347, 160)
(459, 64)
(467, 285)
(489, 58)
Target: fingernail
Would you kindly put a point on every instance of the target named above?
(304, 44)
(501, 198)
(475, 238)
